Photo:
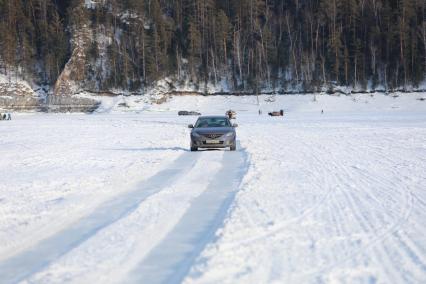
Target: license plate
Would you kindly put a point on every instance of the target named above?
(212, 142)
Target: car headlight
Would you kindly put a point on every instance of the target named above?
(229, 134)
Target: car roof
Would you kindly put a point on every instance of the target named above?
(213, 116)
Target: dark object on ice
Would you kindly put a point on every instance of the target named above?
(231, 114)
(322, 111)
(184, 112)
(213, 132)
(5, 116)
(421, 99)
(124, 104)
(276, 113)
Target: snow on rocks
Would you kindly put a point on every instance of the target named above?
(10, 86)
(17, 94)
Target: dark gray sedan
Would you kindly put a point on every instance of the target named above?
(213, 132)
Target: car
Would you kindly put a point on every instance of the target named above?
(184, 112)
(213, 132)
(276, 113)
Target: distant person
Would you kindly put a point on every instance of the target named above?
(9, 116)
(4, 116)
(1, 116)
(322, 111)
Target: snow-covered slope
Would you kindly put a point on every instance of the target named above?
(116, 197)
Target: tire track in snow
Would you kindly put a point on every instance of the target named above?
(171, 260)
(319, 178)
(340, 174)
(39, 256)
(322, 176)
(407, 250)
(358, 205)
(337, 212)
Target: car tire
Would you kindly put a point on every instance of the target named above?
(233, 147)
(194, 149)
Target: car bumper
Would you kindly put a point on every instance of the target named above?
(202, 142)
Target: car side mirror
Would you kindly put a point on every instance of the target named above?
(190, 126)
(234, 125)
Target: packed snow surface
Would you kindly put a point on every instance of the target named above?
(310, 197)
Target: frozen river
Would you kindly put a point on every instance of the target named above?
(116, 196)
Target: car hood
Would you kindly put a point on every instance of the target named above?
(218, 130)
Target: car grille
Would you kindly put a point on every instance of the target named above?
(212, 136)
(220, 143)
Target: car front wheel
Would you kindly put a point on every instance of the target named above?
(193, 149)
(233, 147)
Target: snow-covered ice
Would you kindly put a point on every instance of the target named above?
(338, 197)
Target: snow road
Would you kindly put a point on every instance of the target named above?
(43, 253)
(116, 197)
(170, 260)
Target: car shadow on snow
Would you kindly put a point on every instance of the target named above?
(149, 149)
(161, 149)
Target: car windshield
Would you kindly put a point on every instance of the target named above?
(212, 122)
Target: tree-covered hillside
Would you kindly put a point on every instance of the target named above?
(249, 44)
